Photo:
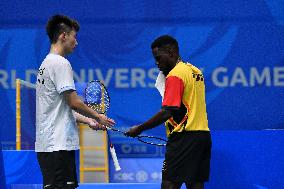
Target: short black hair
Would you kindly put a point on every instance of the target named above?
(58, 24)
(166, 42)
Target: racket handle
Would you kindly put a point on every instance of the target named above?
(108, 128)
(114, 157)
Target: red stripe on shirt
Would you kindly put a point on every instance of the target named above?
(173, 92)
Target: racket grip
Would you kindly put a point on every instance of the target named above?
(108, 128)
(114, 157)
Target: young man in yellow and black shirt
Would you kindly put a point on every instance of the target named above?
(188, 150)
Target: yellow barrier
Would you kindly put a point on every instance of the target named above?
(103, 148)
(18, 114)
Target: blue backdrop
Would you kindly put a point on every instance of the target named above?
(238, 44)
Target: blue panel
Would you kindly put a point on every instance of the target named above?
(124, 11)
(25, 186)
(21, 167)
(2, 170)
(140, 170)
(137, 149)
(240, 159)
(247, 159)
(121, 186)
(97, 186)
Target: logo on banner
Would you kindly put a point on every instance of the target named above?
(141, 176)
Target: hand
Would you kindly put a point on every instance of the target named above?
(105, 121)
(134, 131)
(93, 124)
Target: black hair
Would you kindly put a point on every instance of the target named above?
(166, 42)
(58, 24)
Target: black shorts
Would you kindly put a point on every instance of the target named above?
(187, 157)
(58, 169)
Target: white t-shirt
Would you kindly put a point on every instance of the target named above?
(56, 127)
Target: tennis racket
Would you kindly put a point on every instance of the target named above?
(97, 98)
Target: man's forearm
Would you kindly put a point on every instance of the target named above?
(85, 110)
(156, 120)
(78, 106)
(81, 119)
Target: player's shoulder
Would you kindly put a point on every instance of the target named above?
(181, 69)
(186, 67)
(194, 69)
(54, 60)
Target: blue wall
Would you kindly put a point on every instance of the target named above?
(239, 44)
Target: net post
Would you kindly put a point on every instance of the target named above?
(18, 114)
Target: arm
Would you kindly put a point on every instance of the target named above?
(172, 100)
(76, 104)
(82, 119)
(153, 122)
(93, 124)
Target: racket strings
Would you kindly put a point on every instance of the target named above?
(96, 97)
(98, 108)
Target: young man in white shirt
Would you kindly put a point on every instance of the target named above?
(58, 108)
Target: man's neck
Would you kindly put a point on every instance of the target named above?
(174, 65)
(57, 49)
